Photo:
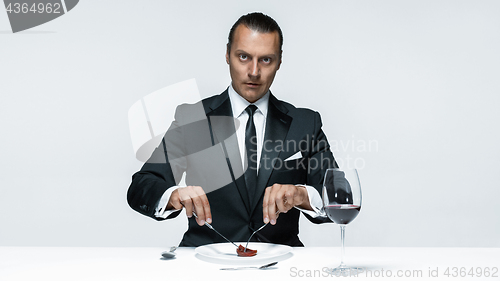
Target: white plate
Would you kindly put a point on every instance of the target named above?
(225, 253)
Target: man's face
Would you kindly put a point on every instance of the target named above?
(253, 62)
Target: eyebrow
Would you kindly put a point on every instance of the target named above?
(264, 56)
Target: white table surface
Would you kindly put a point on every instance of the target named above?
(86, 263)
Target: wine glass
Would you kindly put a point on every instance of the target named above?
(342, 203)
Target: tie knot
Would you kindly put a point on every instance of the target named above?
(251, 109)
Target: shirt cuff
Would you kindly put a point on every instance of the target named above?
(161, 211)
(315, 202)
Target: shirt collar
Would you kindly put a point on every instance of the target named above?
(239, 104)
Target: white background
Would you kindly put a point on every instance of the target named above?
(418, 80)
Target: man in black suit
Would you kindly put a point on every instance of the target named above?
(248, 157)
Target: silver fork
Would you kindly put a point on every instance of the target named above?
(246, 246)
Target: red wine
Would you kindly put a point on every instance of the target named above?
(342, 214)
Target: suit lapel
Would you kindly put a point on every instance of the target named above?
(277, 125)
(220, 116)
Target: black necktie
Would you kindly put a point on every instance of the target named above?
(251, 150)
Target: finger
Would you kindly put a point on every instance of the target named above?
(280, 200)
(290, 197)
(185, 200)
(265, 204)
(272, 203)
(177, 204)
(197, 206)
(205, 205)
(174, 201)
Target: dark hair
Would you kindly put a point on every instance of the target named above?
(256, 22)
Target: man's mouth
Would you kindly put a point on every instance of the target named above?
(252, 85)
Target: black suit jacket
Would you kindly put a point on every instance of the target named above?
(201, 142)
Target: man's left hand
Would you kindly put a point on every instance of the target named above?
(283, 197)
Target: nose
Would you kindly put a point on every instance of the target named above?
(254, 70)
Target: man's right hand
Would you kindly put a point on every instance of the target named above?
(193, 198)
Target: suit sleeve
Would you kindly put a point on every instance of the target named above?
(320, 159)
(163, 170)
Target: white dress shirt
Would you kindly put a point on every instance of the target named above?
(238, 105)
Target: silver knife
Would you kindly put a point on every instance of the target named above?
(212, 228)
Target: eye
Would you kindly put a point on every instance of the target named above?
(266, 60)
(243, 57)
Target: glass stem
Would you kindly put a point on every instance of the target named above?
(342, 238)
